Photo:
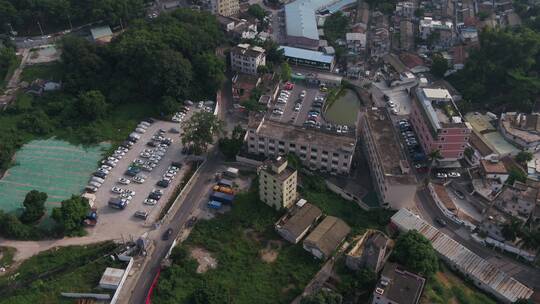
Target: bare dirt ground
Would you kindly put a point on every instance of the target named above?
(204, 259)
(271, 252)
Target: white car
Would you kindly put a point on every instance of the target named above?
(124, 181)
(150, 202)
(391, 104)
(126, 196)
(112, 159)
(441, 175)
(140, 130)
(303, 94)
(454, 174)
(394, 111)
(145, 155)
(138, 180)
(117, 190)
(297, 107)
(106, 167)
(104, 171)
(130, 192)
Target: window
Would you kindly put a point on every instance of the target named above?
(440, 147)
(292, 145)
(325, 152)
(303, 147)
(313, 157)
(466, 139)
(271, 141)
(442, 138)
(335, 154)
(252, 146)
(281, 142)
(314, 150)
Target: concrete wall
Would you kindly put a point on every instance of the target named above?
(337, 190)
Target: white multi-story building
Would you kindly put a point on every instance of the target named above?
(225, 7)
(428, 26)
(246, 59)
(277, 184)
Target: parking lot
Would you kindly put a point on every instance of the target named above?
(111, 220)
(291, 114)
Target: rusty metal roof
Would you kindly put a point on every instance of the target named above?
(499, 282)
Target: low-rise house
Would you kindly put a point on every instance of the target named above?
(494, 169)
(355, 41)
(101, 34)
(398, 286)
(242, 85)
(326, 237)
(518, 200)
(370, 251)
(523, 130)
(40, 86)
(294, 225)
(481, 272)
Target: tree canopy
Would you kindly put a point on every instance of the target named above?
(494, 78)
(439, 65)
(71, 214)
(200, 129)
(34, 206)
(415, 252)
(323, 297)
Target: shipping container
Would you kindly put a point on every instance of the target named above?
(223, 189)
(214, 205)
(222, 197)
(231, 172)
(225, 182)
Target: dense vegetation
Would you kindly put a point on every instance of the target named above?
(414, 251)
(230, 146)
(7, 61)
(62, 14)
(503, 74)
(335, 27)
(41, 278)
(147, 71)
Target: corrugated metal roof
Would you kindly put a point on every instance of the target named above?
(100, 32)
(306, 54)
(468, 262)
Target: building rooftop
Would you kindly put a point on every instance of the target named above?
(387, 146)
(480, 122)
(300, 18)
(328, 235)
(493, 167)
(480, 144)
(306, 54)
(502, 147)
(111, 277)
(101, 32)
(439, 108)
(299, 219)
(399, 285)
(300, 135)
(470, 263)
(443, 196)
(247, 50)
(523, 126)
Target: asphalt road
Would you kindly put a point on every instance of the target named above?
(177, 222)
(526, 274)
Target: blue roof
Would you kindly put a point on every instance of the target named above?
(306, 54)
(300, 20)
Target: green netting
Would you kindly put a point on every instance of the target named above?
(52, 166)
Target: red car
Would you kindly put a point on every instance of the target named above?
(289, 86)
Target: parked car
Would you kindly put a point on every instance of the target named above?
(117, 190)
(150, 201)
(440, 221)
(167, 234)
(141, 214)
(99, 174)
(124, 181)
(459, 194)
(454, 174)
(441, 175)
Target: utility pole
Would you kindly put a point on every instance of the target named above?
(40, 29)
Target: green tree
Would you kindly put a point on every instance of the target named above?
(439, 66)
(92, 105)
(168, 105)
(433, 157)
(286, 72)
(230, 146)
(469, 152)
(511, 230)
(209, 72)
(71, 214)
(200, 129)
(34, 206)
(415, 252)
(323, 297)
(515, 174)
(210, 294)
(524, 157)
(257, 11)
(36, 122)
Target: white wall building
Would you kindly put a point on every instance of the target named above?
(246, 59)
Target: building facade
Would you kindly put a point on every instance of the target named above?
(277, 184)
(438, 123)
(247, 59)
(390, 172)
(225, 7)
(316, 149)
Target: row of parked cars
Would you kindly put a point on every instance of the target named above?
(314, 113)
(413, 147)
(180, 115)
(281, 102)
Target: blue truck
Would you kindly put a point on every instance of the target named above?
(214, 205)
(221, 197)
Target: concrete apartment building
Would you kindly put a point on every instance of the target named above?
(277, 184)
(398, 286)
(246, 58)
(225, 7)
(316, 149)
(390, 171)
(438, 123)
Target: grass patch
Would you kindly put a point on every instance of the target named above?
(7, 255)
(235, 240)
(11, 68)
(445, 287)
(46, 71)
(41, 278)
